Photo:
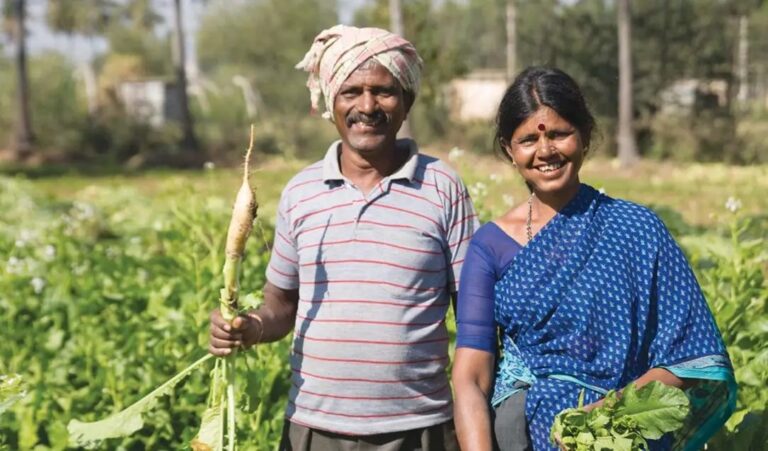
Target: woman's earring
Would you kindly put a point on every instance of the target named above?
(514, 165)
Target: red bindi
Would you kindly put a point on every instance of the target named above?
(542, 127)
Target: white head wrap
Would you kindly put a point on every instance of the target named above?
(338, 51)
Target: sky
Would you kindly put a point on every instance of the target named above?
(81, 49)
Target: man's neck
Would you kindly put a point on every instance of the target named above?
(365, 171)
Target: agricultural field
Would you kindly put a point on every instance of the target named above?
(106, 283)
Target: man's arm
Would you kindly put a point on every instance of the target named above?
(270, 322)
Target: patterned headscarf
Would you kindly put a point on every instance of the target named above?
(338, 51)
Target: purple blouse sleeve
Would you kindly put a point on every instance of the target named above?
(489, 252)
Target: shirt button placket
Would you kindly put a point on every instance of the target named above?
(361, 210)
(357, 196)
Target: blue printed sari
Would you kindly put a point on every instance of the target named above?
(598, 297)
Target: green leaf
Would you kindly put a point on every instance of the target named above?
(574, 419)
(759, 326)
(612, 444)
(604, 444)
(598, 419)
(735, 420)
(602, 432)
(622, 444)
(12, 389)
(565, 421)
(250, 301)
(128, 420)
(657, 408)
(581, 398)
(610, 400)
(569, 442)
(585, 438)
(211, 434)
(624, 427)
(639, 443)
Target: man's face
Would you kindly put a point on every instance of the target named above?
(369, 110)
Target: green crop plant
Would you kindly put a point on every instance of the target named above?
(733, 270)
(107, 282)
(12, 389)
(218, 426)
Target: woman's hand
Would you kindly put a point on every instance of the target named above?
(472, 378)
(559, 442)
(654, 374)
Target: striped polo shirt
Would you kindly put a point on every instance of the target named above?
(375, 273)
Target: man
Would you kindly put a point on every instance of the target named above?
(368, 248)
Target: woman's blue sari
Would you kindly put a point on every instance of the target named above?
(598, 297)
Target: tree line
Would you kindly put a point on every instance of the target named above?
(637, 61)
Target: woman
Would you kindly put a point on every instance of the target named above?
(574, 290)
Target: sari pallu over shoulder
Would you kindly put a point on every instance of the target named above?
(601, 295)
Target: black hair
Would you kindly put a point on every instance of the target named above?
(539, 86)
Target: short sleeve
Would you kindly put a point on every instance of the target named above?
(476, 326)
(283, 268)
(461, 225)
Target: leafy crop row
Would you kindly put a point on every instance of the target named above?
(732, 269)
(104, 297)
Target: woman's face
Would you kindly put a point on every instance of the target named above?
(548, 152)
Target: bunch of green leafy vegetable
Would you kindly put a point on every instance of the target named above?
(624, 421)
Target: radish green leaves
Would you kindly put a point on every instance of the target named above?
(623, 422)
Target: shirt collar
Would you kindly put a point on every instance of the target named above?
(332, 170)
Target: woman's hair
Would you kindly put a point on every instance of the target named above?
(539, 86)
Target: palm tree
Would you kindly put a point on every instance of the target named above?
(22, 143)
(511, 39)
(179, 62)
(625, 138)
(89, 18)
(396, 26)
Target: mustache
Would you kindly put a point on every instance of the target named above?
(369, 119)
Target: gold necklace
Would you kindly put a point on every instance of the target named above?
(528, 230)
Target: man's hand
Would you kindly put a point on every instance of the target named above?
(242, 333)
